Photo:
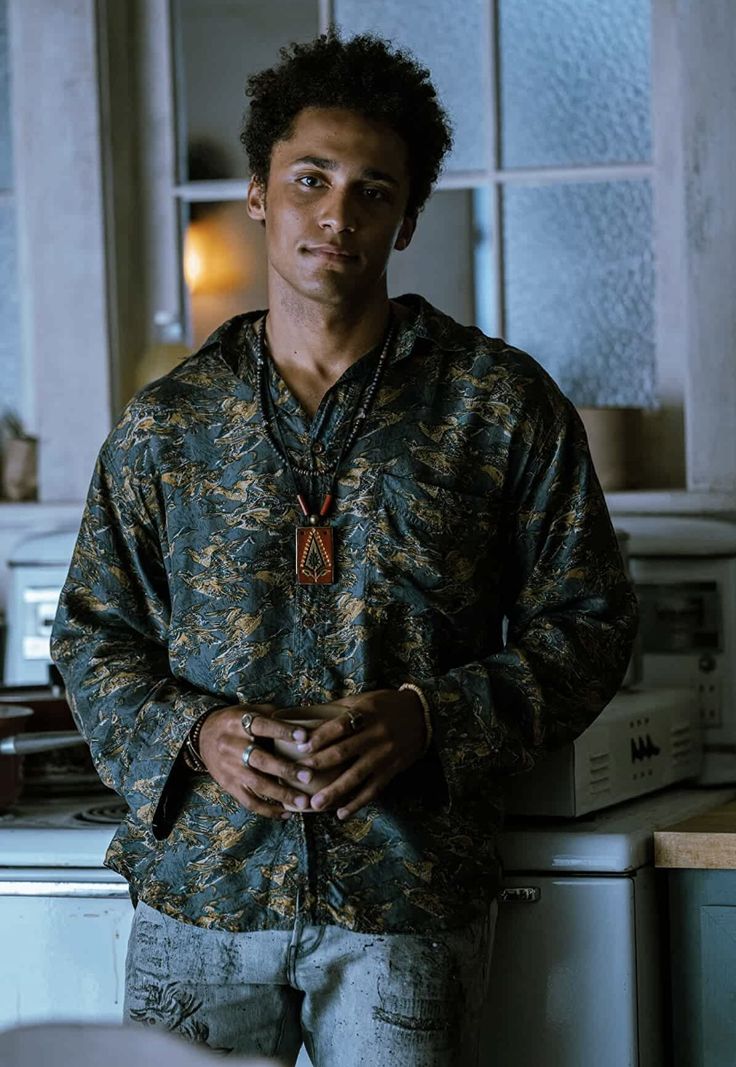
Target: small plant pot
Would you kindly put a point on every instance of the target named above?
(19, 469)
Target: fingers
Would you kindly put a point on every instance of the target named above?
(259, 789)
(333, 730)
(347, 785)
(343, 751)
(268, 764)
(259, 806)
(265, 724)
(365, 796)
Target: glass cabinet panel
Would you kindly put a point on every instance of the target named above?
(579, 286)
(453, 40)
(11, 356)
(6, 153)
(224, 263)
(219, 43)
(438, 264)
(225, 267)
(574, 81)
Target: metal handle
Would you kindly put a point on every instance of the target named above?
(521, 895)
(27, 888)
(26, 744)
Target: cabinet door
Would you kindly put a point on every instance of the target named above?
(563, 975)
(703, 948)
(63, 958)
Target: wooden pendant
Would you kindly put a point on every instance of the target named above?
(315, 555)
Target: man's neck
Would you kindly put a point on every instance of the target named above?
(314, 344)
(321, 341)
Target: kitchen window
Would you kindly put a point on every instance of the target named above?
(546, 205)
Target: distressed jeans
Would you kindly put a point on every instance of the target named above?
(388, 1000)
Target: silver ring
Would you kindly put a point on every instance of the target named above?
(247, 753)
(246, 721)
(356, 720)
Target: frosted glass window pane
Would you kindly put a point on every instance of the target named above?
(6, 159)
(449, 38)
(575, 81)
(579, 286)
(438, 263)
(11, 365)
(221, 43)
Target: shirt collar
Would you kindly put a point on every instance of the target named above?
(236, 338)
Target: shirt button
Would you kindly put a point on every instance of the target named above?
(318, 448)
(308, 621)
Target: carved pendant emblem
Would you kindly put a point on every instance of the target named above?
(315, 555)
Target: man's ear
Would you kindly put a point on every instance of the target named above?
(405, 233)
(256, 200)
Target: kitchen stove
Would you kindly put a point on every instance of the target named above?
(65, 918)
(68, 832)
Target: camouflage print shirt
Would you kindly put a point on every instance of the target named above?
(469, 498)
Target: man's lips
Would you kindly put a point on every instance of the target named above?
(330, 250)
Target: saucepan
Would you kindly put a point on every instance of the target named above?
(16, 741)
(51, 768)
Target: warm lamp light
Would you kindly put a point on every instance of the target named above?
(213, 261)
(193, 268)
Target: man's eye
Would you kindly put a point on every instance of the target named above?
(374, 193)
(311, 181)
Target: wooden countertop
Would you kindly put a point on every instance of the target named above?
(706, 841)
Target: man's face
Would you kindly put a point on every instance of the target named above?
(334, 205)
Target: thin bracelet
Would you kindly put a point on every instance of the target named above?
(425, 711)
(192, 756)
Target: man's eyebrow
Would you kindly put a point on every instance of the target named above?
(332, 164)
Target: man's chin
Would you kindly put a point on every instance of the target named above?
(336, 289)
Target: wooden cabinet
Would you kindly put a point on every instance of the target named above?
(703, 966)
(700, 855)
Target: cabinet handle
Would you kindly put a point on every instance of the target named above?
(521, 895)
(29, 888)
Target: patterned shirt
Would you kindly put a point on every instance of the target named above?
(475, 557)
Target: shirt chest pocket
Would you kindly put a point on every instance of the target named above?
(432, 541)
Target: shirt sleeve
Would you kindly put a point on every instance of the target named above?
(110, 642)
(572, 617)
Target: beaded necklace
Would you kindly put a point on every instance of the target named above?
(315, 542)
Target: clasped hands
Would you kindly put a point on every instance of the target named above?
(390, 736)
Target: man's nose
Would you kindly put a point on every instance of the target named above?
(338, 212)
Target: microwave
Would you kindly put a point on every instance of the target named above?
(684, 571)
(38, 569)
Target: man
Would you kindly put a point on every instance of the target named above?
(334, 503)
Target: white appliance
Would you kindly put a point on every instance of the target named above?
(685, 575)
(64, 918)
(575, 974)
(646, 738)
(38, 569)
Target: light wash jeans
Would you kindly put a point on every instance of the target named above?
(389, 1000)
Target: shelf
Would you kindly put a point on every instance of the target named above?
(671, 502)
(40, 513)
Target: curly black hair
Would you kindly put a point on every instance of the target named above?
(362, 74)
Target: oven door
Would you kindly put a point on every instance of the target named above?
(64, 938)
(573, 978)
